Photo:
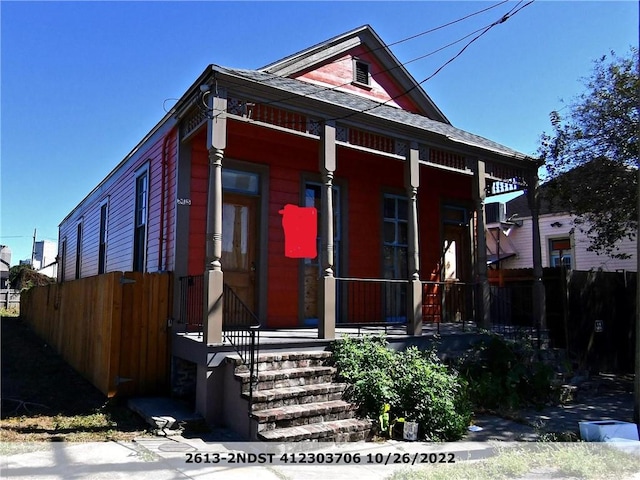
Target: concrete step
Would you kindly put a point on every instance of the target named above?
(291, 377)
(292, 415)
(298, 395)
(348, 430)
(284, 361)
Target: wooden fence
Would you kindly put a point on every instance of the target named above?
(111, 328)
(590, 314)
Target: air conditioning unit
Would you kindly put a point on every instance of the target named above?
(495, 212)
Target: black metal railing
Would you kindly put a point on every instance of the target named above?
(191, 302)
(512, 311)
(372, 301)
(448, 302)
(240, 326)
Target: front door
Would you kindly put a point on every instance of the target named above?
(239, 240)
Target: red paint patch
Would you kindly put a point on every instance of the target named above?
(300, 231)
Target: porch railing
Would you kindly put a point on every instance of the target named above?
(191, 302)
(240, 326)
(512, 312)
(448, 302)
(371, 301)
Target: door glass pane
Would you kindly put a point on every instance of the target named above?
(235, 226)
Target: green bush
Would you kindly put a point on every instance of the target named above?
(506, 374)
(414, 384)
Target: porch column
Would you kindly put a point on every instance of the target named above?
(539, 301)
(414, 293)
(213, 279)
(483, 299)
(327, 290)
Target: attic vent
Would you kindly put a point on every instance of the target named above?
(360, 72)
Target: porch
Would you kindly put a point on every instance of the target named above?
(364, 307)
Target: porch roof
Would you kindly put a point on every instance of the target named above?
(358, 104)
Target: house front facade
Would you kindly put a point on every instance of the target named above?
(340, 131)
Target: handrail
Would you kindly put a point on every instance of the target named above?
(240, 326)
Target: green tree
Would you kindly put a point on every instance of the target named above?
(597, 140)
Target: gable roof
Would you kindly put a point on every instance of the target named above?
(365, 106)
(363, 37)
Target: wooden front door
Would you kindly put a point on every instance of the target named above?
(239, 240)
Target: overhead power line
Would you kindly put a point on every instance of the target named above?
(481, 32)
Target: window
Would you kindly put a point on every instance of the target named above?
(240, 182)
(140, 227)
(395, 236)
(62, 260)
(78, 250)
(312, 267)
(361, 72)
(560, 252)
(102, 246)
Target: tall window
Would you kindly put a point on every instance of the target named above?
(62, 260)
(102, 248)
(312, 266)
(78, 250)
(395, 235)
(141, 213)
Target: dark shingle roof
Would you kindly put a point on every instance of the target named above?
(371, 107)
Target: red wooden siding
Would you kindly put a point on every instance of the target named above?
(119, 191)
(288, 157)
(436, 187)
(366, 177)
(339, 71)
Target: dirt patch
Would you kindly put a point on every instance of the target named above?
(44, 399)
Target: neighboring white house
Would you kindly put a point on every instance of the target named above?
(44, 258)
(509, 238)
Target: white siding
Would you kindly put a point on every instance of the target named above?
(519, 242)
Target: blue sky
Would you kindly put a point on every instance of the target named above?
(83, 82)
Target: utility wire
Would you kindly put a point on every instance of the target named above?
(503, 19)
(517, 8)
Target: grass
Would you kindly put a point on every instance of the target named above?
(589, 461)
(44, 399)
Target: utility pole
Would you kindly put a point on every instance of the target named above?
(33, 248)
(636, 397)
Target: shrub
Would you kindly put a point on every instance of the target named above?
(414, 384)
(505, 374)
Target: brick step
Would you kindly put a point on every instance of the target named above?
(304, 412)
(349, 430)
(284, 361)
(298, 395)
(292, 377)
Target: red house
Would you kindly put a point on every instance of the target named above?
(342, 127)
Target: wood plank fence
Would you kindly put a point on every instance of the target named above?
(111, 328)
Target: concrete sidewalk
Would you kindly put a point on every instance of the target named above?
(219, 454)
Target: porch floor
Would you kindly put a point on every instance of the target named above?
(306, 334)
(450, 338)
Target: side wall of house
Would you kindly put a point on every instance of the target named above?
(158, 153)
(519, 242)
